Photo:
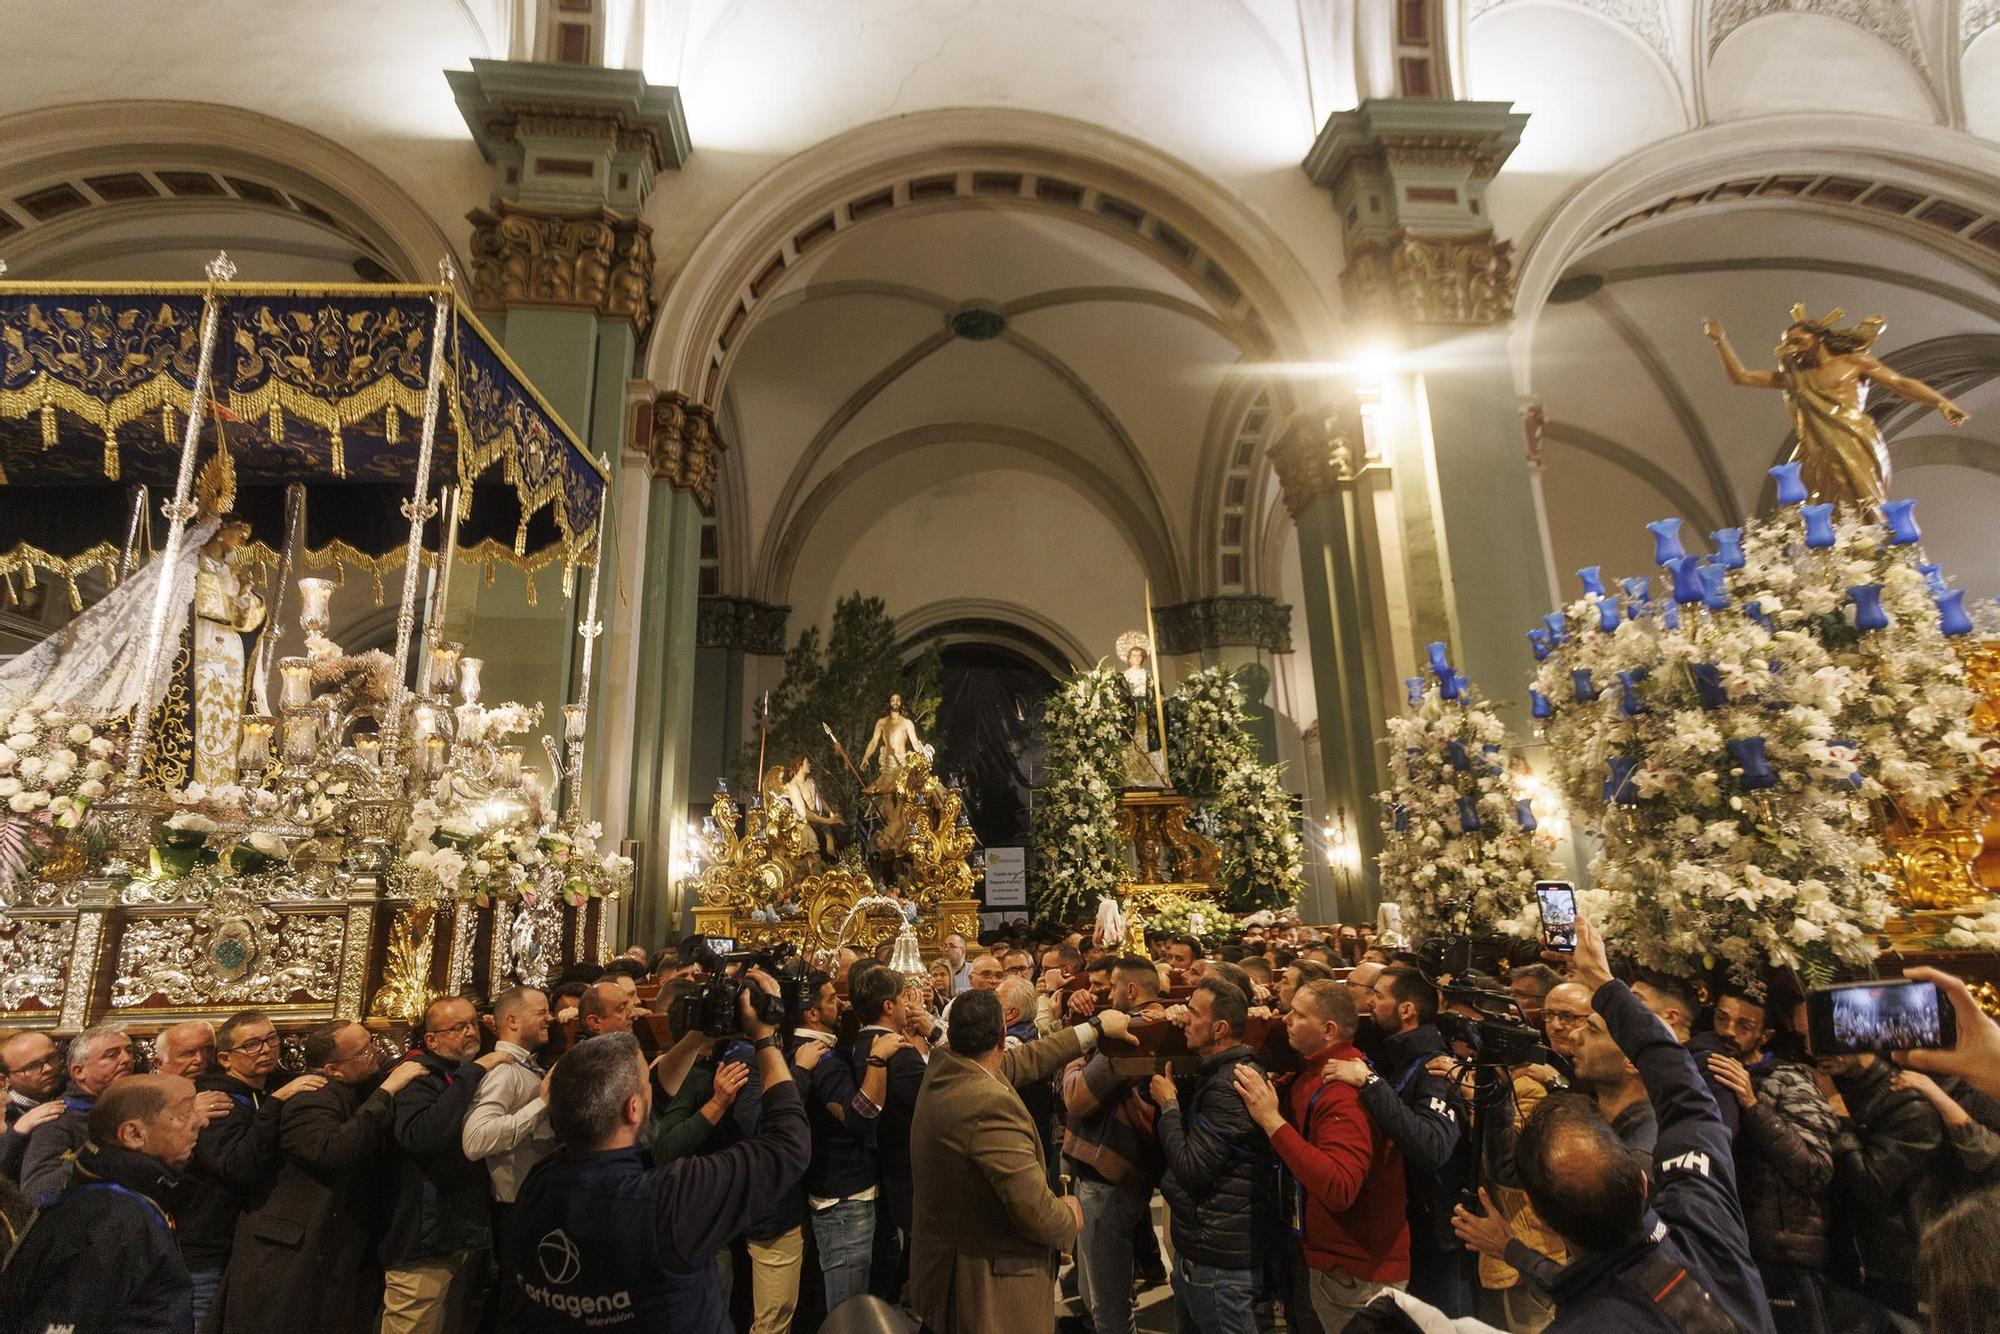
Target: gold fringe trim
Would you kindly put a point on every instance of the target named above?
(27, 558)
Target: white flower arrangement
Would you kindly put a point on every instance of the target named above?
(1461, 848)
(1242, 800)
(1728, 748)
(480, 864)
(1079, 854)
(53, 767)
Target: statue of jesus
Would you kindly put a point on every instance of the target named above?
(1824, 372)
(894, 735)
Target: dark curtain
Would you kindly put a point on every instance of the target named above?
(989, 729)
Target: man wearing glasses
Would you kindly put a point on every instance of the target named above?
(439, 1218)
(33, 1072)
(304, 1260)
(236, 1158)
(96, 1056)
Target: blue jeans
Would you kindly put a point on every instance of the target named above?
(1104, 1252)
(845, 1235)
(1214, 1301)
(205, 1282)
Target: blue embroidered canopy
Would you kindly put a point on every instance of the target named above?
(321, 385)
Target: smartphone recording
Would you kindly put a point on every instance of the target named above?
(1879, 1017)
(1557, 899)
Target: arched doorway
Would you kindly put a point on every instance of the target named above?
(989, 734)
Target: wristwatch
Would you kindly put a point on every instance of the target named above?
(878, 1060)
(768, 1041)
(1096, 1021)
(1372, 1080)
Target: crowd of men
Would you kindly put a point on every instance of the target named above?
(1345, 1138)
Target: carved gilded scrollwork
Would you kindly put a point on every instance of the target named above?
(1314, 457)
(595, 259)
(935, 843)
(683, 447)
(34, 962)
(406, 968)
(234, 952)
(1433, 279)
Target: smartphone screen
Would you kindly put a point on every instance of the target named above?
(1558, 903)
(1878, 1017)
(721, 945)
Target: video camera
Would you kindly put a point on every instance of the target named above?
(716, 1009)
(1499, 1037)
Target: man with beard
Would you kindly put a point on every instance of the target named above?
(236, 1158)
(508, 1127)
(1422, 1115)
(1784, 1159)
(34, 1071)
(304, 1260)
(1361, 988)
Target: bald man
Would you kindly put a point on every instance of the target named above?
(101, 1256)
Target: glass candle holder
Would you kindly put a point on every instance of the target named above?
(444, 668)
(314, 597)
(253, 752)
(301, 739)
(575, 721)
(423, 723)
(468, 679)
(368, 746)
(295, 682)
(433, 756)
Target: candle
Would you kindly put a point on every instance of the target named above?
(1454, 755)
(295, 682)
(1752, 766)
(1728, 547)
(1666, 541)
(1688, 588)
(444, 667)
(1618, 779)
(1440, 662)
(1582, 686)
(1714, 593)
(1952, 616)
(1607, 614)
(1538, 640)
(1539, 705)
(253, 752)
(1558, 628)
(509, 773)
(1869, 613)
(468, 678)
(576, 720)
(314, 595)
(1791, 491)
(434, 748)
(301, 739)
(369, 746)
(1708, 687)
(1468, 815)
(1593, 580)
(1902, 524)
(1628, 684)
(1819, 525)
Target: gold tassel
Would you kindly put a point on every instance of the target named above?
(390, 424)
(521, 537)
(48, 424)
(339, 454)
(569, 580)
(75, 598)
(111, 453)
(530, 580)
(489, 574)
(376, 570)
(277, 423)
(167, 423)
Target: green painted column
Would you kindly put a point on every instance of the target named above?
(1239, 633)
(1315, 464)
(729, 632)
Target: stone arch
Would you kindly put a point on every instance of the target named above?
(1029, 160)
(68, 169)
(1720, 164)
(1003, 624)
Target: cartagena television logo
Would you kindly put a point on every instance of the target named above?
(561, 1264)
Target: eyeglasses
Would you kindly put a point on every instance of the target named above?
(469, 1026)
(1556, 1018)
(35, 1067)
(264, 1043)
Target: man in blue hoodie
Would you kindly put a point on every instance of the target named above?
(1679, 1260)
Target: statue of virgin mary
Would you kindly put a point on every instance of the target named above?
(1145, 755)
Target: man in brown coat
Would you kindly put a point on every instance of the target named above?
(988, 1229)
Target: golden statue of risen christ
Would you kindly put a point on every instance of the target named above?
(1824, 372)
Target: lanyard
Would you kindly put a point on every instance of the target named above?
(153, 1209)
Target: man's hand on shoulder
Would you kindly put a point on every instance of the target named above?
(401, 1077)
(303, 1084)
(493, 1060)
(40, 1116)
(1116, 1024)
(1351, 1073)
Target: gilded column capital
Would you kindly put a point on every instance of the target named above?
(1315, 456)
(1413, 279)
(1409, 178)
(682, 446)
(591, 259)
(740, 623)
(1224, 621)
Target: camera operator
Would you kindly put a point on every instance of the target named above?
(1422, 1114)
(598, 1236)
(1678, 1261)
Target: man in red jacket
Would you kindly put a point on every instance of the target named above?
(1347, 1192)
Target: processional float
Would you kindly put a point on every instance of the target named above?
(174, 844)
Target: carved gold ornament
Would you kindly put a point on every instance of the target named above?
(406, 970)
(1463, 280)
(596, 259)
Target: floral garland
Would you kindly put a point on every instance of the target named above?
(1179, 915)
(53, 766)
(1726, 745)
(1461, 849)
(1242, 801)
(1079, 854)
(476, 864)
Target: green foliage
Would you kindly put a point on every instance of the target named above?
(1242, 801)
(845, 684)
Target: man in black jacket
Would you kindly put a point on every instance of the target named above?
(1668, 1263)
(33, 1069)
(101, 1258)
(877, 995)
(236, 1158)
(599, 1238)
(1219, 1169)
(842, 1104)
(1424, 1115)
(304, 1260)
(1892, 1172)
(439, 1224)
(96, 1056)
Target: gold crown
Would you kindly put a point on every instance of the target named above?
(215, 484)
(1868, 330)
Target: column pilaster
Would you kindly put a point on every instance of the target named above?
(1240, 633)
(1320, 463)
